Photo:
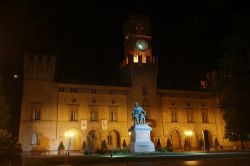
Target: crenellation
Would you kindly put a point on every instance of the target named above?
(39, 67)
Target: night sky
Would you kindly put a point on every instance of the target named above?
(87, 38)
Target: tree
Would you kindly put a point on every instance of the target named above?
(234, 81)
(158, 144)
(169, 145)
(216, 144)
(4, 110)
(61, 146)
(124, 144)
(187, 144)
(84, 145)
(201, 144)
(104, 147)
(8, 144)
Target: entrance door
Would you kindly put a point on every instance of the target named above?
(207, 137)
(114, 140)
(92, 141)
(176, 139)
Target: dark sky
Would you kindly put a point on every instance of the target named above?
(87, 37)
(88, 40)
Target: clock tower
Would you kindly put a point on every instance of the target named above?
(140, 68)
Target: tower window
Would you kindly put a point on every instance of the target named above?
(126, 60)
(36, 111)
(37, 115)
(136, 59)
(35, 139)
(144, 59)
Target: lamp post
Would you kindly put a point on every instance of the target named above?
(69, 135)
(188, 134)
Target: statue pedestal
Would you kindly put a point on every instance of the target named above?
(140, 139)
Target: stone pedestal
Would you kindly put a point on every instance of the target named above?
(140, 141)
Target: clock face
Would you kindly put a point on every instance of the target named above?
(141, 45)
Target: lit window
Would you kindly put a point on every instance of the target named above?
(73, 109)
(204, 116)
(73, 116)
(35, 139)
(113, 116)
(36, 111)
(37, 114)
(126, 60)
(189, 115)
(93, 112)
(144, 59)
(94, 116)
(174, 117)
(135, 58)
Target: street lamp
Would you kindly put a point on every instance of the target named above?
(69, 135)
(188, 134)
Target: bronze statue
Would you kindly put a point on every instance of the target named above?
(138, 114)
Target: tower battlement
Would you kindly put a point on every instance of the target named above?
(39, 67)
(137, 24)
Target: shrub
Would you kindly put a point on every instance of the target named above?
(84, 145)
(8, 143)
(124, 144)
(169, 145)
(61, 146)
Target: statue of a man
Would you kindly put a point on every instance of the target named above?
(138, 114)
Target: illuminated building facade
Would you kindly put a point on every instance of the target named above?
(186, 120)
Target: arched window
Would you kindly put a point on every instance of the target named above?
(35, 139)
